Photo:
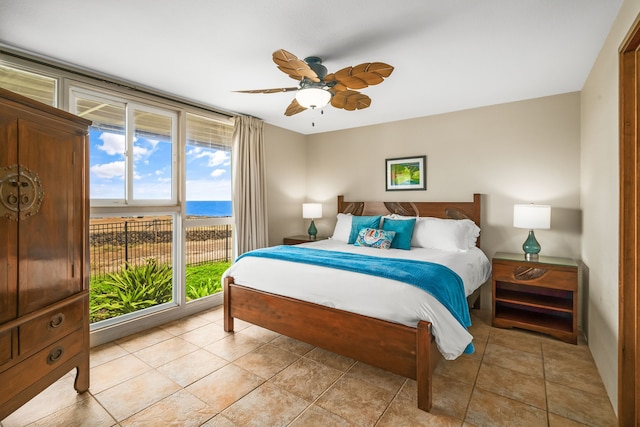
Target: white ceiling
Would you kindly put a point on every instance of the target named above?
(448, 55)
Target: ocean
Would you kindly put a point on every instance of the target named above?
(209, 208)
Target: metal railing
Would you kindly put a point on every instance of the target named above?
(112, 244)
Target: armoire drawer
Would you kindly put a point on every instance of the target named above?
(22, 375)
(51, 326)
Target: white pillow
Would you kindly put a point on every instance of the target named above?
(343, 228)
(456, 235)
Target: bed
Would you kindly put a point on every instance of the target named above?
(405, 346)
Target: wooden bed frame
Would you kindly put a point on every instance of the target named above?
(403, 350)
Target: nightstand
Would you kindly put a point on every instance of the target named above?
(537, 295)
(303, 238)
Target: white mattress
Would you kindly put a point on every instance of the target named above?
(369, 295)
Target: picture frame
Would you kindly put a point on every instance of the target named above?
(406, 173)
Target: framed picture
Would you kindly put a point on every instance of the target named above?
(406, 173)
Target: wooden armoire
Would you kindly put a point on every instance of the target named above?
(44, 249)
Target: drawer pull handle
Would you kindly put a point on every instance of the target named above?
(56, 320)
(528, 273)
(55, 355)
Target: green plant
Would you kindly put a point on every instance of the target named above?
(204, 279)
(133, 288)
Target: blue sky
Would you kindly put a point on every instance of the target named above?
(208, 170)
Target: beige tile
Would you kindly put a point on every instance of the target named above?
(213, 314)
(404, 412)
(355, 400)
(180, 409)
(54, 398)
(238, 324)
(515, 360)
(577, 405)
(555, 349)
(259, 333)
(376, 376)
(330, 359)
(266, 361)
(181, 326)
(233, 346)
(306, 378)
(292, 345)
(134, 395)
(512, 384)
(135, 342)
(191, 367)
(267, 405)
(115, 372)
(463, 369)
(449, 397)
(219, 421)
(205, 335)
(492, 410)
(575, 373)
(165, 351)
(84, 413)
(106, 353)
(224, 386)
(479, 330)
(479, 349)
(558, 421)
(316, 416)
(517, 339)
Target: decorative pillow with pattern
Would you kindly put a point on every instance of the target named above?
(375, 238)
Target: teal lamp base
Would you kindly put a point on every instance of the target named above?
(312, 231)
(531, 247)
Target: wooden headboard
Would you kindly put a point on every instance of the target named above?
(447, 210)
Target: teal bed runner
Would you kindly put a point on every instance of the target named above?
(440, 281)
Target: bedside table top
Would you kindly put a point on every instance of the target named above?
(552, 260)
(306, 238)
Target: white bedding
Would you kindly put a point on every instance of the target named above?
(369, 295)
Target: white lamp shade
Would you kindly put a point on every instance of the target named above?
(313, 97)
(312, 210)
(532, 217)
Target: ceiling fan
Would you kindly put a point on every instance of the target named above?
(316, 88)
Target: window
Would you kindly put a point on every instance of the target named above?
(32, 85)
(160, 189)
(208, 222)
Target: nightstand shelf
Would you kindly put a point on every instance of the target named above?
(538, 295)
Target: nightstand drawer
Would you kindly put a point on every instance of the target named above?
(536, 275)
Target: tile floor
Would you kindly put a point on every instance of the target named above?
(192, 373)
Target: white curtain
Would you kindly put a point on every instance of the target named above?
(249, 187)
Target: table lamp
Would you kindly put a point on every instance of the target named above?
(532, 217)
(312, 211)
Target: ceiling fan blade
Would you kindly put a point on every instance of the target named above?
(296, 68)
(274, 90)
(363, 75)
(294, 108)
(350, 100)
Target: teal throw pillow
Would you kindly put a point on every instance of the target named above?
(360, 222)
(403, 229)
(375, 238)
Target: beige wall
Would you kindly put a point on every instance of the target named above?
(285, 153)
(600, 199)
(525, 151)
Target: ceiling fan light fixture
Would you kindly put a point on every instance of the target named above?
(313, 97)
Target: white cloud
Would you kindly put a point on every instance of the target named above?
(218, 172)
(109, 170)
(112, 143)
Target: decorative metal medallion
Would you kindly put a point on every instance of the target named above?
(21, 192)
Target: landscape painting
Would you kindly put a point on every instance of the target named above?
(406, 173)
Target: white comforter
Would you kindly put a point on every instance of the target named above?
(369, 295)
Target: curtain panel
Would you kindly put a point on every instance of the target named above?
(249, 186)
